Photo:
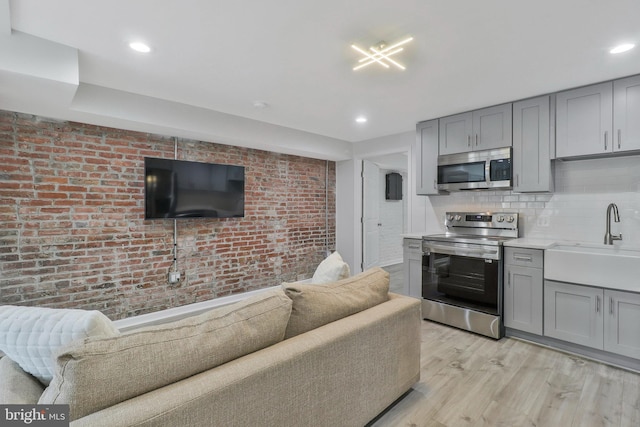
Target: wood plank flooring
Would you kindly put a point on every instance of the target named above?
(470, 380)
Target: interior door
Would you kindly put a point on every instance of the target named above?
(370, 215)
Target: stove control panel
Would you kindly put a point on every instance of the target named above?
(491, 220)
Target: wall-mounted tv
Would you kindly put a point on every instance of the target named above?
(184, 189)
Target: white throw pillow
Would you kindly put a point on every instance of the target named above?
(331, 269)
(30, 336)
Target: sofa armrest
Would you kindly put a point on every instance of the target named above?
(341, 374)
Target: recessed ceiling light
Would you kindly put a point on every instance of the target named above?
(140, 47)
(622, 48)
(361, 119)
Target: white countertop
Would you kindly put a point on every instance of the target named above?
(530, 243)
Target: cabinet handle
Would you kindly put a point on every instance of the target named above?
(611, 306)
(522, 258)
(597, 304)
(435, 184)
(476, 139)
(619, 138)
(509, 280)
(606, 134)
(517, 180)
(415, 247)
(468, 140)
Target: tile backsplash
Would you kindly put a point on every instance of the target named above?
(577, 208)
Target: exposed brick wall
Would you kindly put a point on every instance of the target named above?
(73, 234)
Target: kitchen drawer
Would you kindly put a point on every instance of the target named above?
(524, 257)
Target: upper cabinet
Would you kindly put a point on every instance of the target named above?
(477, 130)
(533, 136)
(626, 114)
(599, 119)
(426, 157)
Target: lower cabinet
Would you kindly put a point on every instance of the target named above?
(622, 323)
(523, 290)
(412, 267)
(598, 318)
(523, 299)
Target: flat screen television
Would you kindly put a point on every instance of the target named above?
(185, 189)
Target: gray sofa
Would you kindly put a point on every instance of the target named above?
(334, 355)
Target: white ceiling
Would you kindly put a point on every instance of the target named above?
(221, 56)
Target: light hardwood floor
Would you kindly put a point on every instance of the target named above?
(470, 380)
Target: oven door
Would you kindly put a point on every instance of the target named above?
(462, 274)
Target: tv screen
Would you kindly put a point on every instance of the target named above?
(184, 189)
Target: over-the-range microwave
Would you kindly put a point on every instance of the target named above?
(475, 170)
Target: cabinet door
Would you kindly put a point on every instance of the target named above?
(523, 299)
(412, 264)
(455, 133)
(584, 121)
(626, 114)
(531, 145)
(622, 323)
(492, 127)
(427, 157)
(574, 313)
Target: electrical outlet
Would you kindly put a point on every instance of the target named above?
(174, 277)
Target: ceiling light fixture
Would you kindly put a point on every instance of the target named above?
(361, 119)
(140, 47)
(622, 48)
(381, 54)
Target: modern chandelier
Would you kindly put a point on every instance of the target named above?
(380, 54)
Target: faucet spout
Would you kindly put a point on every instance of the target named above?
(608, 237)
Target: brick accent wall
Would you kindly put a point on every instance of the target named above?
(73, 234)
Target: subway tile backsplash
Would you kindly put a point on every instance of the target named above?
(577, 208)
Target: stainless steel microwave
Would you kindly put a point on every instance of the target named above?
(475, 170)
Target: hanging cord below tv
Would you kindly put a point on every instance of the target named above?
(174, 276)
(327, 252)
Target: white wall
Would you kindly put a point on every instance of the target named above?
(575, 211)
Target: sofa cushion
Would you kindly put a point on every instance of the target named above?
(17, 386)
(31, 335)
(102, 372)
(314, 305)
(331, 269)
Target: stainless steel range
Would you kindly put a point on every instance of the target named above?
(462, 271)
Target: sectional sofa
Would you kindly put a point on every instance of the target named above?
(335, 354)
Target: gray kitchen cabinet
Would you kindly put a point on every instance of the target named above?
(412, 264)
(584, 121)
(482, 129)
(622, 323)
(427, 157)
(626, 114)
(523, 289)
(455, 133)
(599, 119)
(574, 313)
(533, 137)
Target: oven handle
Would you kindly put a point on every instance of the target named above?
(468, 252)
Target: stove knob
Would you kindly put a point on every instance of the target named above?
(449, 217)
(458, 218)
(510, 219)
(500, 218)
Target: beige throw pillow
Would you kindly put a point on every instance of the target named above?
(17, 386)
(99, 373)
(314, 306)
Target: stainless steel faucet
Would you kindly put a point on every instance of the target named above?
(608, 237)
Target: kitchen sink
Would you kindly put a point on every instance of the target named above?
(605, 266)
